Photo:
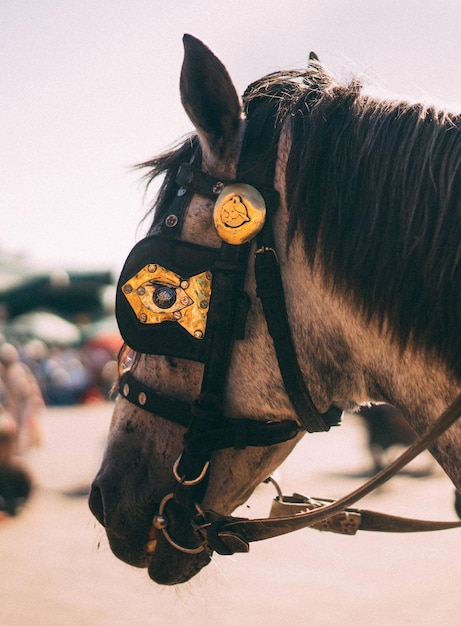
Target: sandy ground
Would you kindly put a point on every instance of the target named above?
(57, 569)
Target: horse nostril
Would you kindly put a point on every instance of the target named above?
(96, 504)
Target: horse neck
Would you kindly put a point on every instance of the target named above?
(350, 360)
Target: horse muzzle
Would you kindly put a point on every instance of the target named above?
(162, 538)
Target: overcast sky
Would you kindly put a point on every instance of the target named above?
(90, 87)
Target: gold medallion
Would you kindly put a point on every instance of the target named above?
(239, 213)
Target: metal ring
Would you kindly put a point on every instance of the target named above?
(194, 481)
(171, 541)
(271, 479)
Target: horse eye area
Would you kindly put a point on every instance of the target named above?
(164, 297)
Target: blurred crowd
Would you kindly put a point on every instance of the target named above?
(66, 375)
(33, 375)
(21, 402)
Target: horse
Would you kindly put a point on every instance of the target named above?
(330, 219)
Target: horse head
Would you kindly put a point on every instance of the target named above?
(213, 393)
(137, 470)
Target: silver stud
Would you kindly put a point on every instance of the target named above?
(198, 334)
(171, 221)
(142, 318)
(142, 398)
(126, 390)
(159, 522)
(181, 191)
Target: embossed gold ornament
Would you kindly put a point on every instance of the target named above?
(239, 213)
(158, 295)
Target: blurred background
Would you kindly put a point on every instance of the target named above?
(89, 89)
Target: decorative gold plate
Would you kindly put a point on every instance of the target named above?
(158, 295)
(239, 213)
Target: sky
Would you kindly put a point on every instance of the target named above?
(89, 88)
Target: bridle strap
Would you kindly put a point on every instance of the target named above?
(269, 287)
(146, 398)
(225, 433)
(245, 530)
(228, 281)
(270, 291)
(349, 521)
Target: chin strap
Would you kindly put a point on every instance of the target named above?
(227, 535)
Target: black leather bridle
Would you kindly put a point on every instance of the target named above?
(208, 428)
(229, 302)
(228, 307)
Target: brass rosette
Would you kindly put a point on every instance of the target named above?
(158, 295)
(239, 213)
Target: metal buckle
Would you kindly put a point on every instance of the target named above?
(264, 249)
(194, 481)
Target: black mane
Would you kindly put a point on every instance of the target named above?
(374, 186)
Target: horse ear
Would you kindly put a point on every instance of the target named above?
(313, 63)
(209, 97)
(316, 76)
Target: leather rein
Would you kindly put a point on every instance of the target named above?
(208, 429)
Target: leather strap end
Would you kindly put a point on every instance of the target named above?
(223, 541)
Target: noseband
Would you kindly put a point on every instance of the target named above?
(182, 300)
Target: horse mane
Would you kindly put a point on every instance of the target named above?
(373, 186)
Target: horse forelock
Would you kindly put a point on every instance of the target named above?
(374, 187)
